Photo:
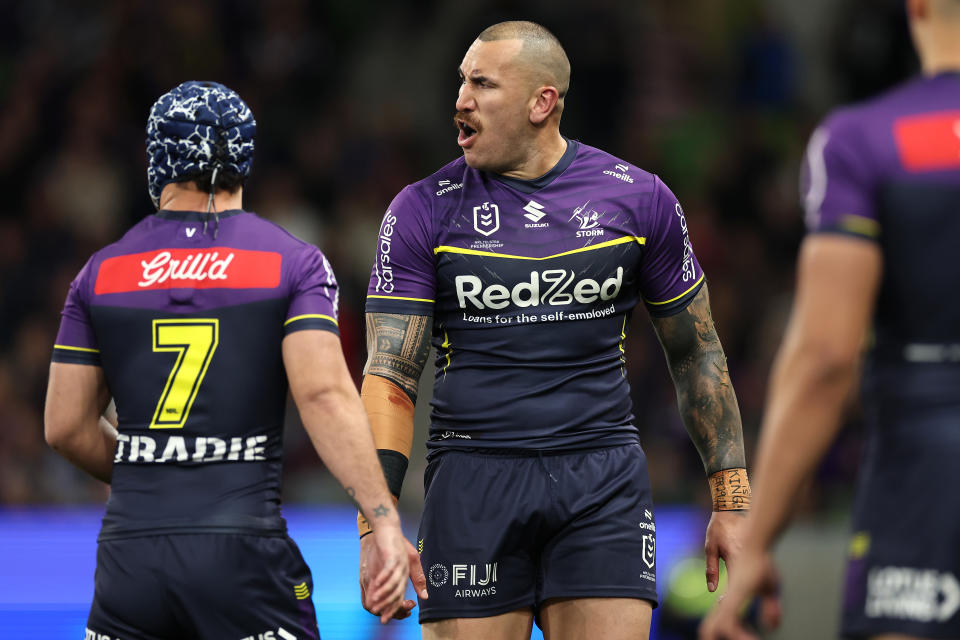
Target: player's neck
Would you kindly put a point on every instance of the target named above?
(944, 61)
(177, 197)
(544, 155)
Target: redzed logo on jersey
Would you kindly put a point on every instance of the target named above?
(929, 142)
(216, 267)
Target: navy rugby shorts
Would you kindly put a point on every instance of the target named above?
(202, 586)
(903, 572)
(508, 530)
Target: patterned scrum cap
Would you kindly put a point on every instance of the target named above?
(193, 128)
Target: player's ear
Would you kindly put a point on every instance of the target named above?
(544, 103)
(918, 9)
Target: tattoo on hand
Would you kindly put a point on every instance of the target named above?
(398, 347)
(708, 405)
(380, 511)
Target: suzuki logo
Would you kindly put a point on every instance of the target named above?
(534, 211)
(486, 218)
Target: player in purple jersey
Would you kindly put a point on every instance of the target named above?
(523, 260)
(195, 322)
(882, 182)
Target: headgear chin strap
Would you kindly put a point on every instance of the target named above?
(194, 128)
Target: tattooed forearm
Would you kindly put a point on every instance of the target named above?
(398, 348)
(705, 396)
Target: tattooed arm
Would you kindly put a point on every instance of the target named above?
(397, 347)
(708, 407)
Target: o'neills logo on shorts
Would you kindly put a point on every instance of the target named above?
(216, 267)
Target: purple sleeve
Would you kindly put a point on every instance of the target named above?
(76, 342)
(836, 181)
(315, 295)
(670, 275)
(403, 279)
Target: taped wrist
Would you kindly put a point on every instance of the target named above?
(730, 490)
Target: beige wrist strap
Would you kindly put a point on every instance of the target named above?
(730, 490)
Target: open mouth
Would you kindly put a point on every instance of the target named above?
(467, 133)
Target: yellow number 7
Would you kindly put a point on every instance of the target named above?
(194, 340)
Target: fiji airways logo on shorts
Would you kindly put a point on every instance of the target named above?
(905, 593)
(486, 218)
(468, 580)
(588, 219)
(620, 172)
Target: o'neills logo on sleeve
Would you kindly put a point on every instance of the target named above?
(216, 267)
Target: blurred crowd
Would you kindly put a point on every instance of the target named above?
(353, 100)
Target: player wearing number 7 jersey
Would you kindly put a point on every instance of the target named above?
(196, 322)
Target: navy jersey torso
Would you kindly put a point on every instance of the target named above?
(187, 329)
(530, 285)
(888, 171)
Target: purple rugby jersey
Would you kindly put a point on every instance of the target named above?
(530, 285)
(888, 171)
(187, 329)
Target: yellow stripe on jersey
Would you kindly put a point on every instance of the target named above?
(402, 298)
(602, 245)
(679, 296)
(311, 315)
(63, 346)
(860, 225)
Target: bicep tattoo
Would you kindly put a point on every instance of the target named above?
(398, 347)
(705, 396)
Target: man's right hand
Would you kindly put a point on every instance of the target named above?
(385, 555)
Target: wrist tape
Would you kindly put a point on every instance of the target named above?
(730, 490)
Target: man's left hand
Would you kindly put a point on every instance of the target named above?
(724, 540)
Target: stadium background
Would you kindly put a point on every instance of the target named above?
(353, 100)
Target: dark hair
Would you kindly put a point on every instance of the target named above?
(226, 180)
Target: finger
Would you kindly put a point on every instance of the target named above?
(417, 577)
(406, 608)
(713, 567)
(390, 593)
(770, 612)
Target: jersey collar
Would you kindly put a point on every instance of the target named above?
(531, 186)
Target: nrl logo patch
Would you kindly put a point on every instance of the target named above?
(486, 218)
(649, 550)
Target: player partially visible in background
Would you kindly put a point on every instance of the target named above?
(878, 270)
(195, 322)
(523, 260)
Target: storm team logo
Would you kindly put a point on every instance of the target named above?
(438, 575)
